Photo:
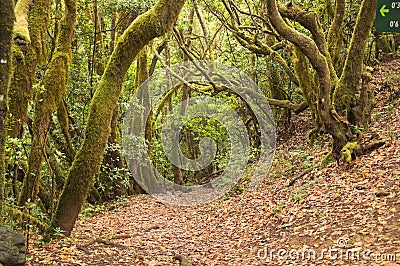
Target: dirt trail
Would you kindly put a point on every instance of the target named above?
(340, 212)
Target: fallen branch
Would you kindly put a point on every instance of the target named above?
(371, 146)
(305, 172)
(108, 241)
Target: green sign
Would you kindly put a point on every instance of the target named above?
(388, 16)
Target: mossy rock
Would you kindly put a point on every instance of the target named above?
(12, 247)
(348, 151)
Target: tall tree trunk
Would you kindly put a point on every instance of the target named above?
(142, 74)
(335, 34)
(20, 90)
(64, 122)
(46, 101)
(345, 95)
(7, 18)
(154, 23)
(26, 58)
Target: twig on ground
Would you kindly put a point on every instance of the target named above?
(108, 240)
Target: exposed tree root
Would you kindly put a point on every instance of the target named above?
(108, 241)
(305, 172)
(349, 152)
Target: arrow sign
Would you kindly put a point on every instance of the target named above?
(387, 16)
(384, 10)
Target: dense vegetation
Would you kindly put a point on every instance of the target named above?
(75, 64)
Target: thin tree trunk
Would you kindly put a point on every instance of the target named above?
(7, 18)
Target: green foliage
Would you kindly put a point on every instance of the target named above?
(303, 191)
(111, 177)
(90, 210)
(278, 209)
(300, 194)
(110, 6)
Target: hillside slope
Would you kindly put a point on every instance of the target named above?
(340, 212)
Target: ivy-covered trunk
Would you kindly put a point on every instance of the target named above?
(154, 23)
(7, 18)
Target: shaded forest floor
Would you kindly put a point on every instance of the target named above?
(352, 211)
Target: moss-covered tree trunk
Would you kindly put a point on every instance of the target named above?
(64, 122)
(317, 57)
(154, 23)
(142, 74)
(336, 115)
(48, 96)
(29, 51)
(309, 90)
(348, 89)
(20, 90)
(335, 34)
(7, 18)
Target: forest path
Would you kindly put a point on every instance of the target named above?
(349, 210)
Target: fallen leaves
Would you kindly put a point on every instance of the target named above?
(359, 202)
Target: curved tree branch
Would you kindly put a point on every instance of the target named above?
(154, 23)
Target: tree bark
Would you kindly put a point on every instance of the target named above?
(26, 57)
(319, 62)
(48, 97)
(345, 95)
(20, 90)
(7, 18)
(335, 34)
(146, 27)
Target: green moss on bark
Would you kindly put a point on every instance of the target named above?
(153, 23)
(21, 25)
(25, 62)
(48, 97)
(335, 34)
(307, 85)
(63, 120)
(347, 89)
(349, 151)
(6, 25)
(20, 94)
